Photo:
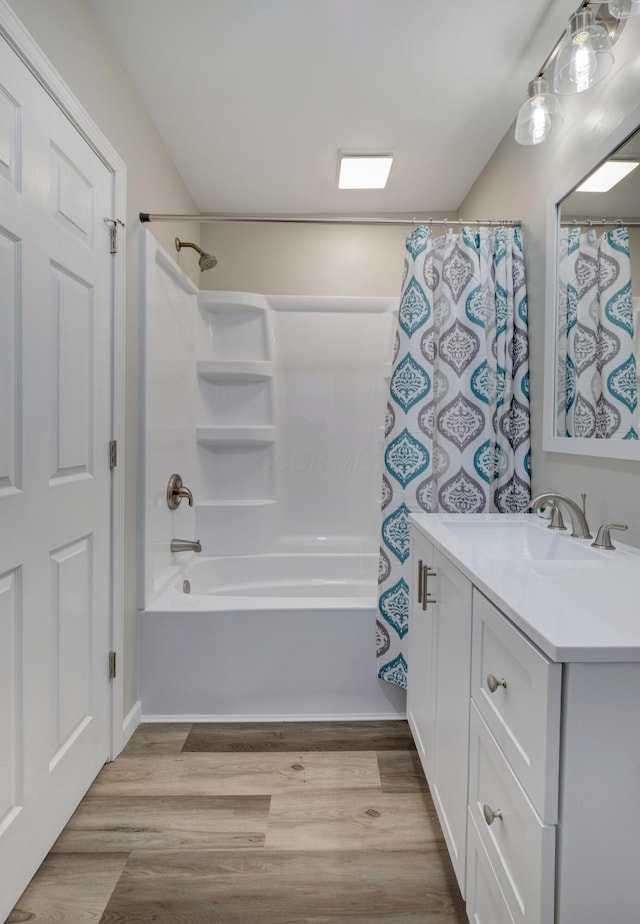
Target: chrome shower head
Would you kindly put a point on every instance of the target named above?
(206, 261)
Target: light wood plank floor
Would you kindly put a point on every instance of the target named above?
(294, 823)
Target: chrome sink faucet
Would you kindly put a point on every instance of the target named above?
(579, 525)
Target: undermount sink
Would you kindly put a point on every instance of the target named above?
(503, 539)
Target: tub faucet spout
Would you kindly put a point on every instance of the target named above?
(579, 525)
(186, 545)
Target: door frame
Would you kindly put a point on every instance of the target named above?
(12, 30)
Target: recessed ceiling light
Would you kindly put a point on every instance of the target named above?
(367, 171)
(606, 176)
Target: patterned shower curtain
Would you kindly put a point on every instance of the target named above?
(597, 386)
(457, 422)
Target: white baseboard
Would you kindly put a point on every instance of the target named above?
(367, 717)
(131, 721)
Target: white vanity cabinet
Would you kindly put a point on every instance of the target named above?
(438, 691)
(513, 762)
(532, 756)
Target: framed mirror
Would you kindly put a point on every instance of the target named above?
(592, 328)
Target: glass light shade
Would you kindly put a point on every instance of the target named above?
(539, 115)
(624, 9)
(585, 56)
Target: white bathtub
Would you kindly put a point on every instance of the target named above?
(265, 637)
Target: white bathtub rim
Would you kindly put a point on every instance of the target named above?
(171, 599)
(174, 601)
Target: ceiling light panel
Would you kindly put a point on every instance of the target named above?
(370, 171)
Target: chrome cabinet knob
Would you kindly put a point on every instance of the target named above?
(493, 683)
(490, 814)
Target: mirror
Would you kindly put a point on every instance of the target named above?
(593, 304)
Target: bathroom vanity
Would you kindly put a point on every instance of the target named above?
(524, 703)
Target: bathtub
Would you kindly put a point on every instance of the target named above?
(265, 638)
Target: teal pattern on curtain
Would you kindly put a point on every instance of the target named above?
(597, 384)
(457, 430)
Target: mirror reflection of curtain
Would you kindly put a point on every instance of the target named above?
(597, 385)
(457, 423)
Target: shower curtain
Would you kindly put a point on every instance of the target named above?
(597, 385)
(457, 422)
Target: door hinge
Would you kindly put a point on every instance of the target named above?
(113, 454)
(113, 233)
(112, 665)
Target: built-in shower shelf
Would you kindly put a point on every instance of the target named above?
(235, 437)
(239, 371)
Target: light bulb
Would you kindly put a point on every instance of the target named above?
(539, 115)
(540, 120)
(583, 62)
(585, 56)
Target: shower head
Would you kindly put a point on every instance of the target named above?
(206, 261)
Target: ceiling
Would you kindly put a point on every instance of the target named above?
(254, 99)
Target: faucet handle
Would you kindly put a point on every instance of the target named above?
(603, 538)
(176, 491)
(556, 517)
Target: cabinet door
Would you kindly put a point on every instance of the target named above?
(451, 666)
(438, 686)
(420, 702)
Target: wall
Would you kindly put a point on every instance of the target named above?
(517, 182)
(287, 259)
(68, 34)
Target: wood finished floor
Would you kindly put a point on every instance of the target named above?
(294, 823)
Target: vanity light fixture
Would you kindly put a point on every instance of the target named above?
(585, 56)
(607, 175)
(539, 115)
(580, 58)
(624, 9)
(364, 171)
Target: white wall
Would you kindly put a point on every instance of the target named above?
(517, 183)
(68, 34)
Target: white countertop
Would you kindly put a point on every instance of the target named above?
(572, 610)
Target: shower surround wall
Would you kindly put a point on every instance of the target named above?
(271, 408)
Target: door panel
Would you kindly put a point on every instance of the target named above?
(55, 481)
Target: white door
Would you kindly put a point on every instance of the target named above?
(55, 492)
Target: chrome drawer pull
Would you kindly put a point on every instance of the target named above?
(490, 814)
(420, 579)
(493, 683)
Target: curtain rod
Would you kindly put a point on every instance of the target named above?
(325, 220)
(599, 223)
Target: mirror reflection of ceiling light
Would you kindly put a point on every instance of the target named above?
(605, 177)
(364, 171)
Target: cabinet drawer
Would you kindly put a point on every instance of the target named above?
(523, 712)
(520, 847)
(486, 903)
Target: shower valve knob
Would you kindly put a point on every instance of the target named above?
(176, 491)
